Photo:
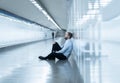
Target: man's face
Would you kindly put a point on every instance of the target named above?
(66, 35)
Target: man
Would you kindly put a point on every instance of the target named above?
(53, 35)
(58, 52)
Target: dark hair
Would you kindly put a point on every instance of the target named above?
(70, 34)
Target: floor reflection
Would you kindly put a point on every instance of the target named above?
(90, 67)
(17, 67)
(64, 72)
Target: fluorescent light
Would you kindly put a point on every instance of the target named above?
(45, 13)
(90, 5)
(48, 17)
(96, 5)
(36, 4)
(55, 24)
(104, 3)
(90, 15)
(93, 12)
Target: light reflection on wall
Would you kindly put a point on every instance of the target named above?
(89, 33)
(14, 31)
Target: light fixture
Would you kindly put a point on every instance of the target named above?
(104, 3)
(45, 13)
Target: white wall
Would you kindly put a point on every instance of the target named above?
(111, 30)
(12, 32)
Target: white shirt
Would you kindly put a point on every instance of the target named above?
(67, 48)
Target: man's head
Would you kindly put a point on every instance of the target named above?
(68, 35)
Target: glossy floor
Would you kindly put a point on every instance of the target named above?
(20, 64)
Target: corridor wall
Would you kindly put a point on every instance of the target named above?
(14, 31)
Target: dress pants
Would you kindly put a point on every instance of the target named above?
(54, 55)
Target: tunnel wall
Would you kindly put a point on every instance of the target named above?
(13, 31)
(90, 29)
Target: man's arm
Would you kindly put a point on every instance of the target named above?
(65, 47)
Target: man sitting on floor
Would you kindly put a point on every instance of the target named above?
(58, 52)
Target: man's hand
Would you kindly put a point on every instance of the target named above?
(54, 42)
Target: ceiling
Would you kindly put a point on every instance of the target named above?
(57, 9)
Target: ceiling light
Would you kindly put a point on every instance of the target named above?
(104, 3)
(45, 13)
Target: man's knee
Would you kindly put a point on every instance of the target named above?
(55, 43)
